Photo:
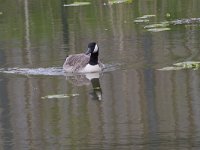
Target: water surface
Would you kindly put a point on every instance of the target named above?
(131, 105)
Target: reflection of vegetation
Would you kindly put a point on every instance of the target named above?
(183, 65)
(34, 26)
(41, 21)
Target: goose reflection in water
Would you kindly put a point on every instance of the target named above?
(88, 79)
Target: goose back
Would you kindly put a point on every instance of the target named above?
(75, 63)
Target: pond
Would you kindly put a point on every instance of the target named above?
(132, 104)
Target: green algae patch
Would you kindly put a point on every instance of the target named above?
(77, 4)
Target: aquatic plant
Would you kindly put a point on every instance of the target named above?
(157, 25)
(78, 4)
(164, 25)
(143, 19)
(59, 96)
(146, 16)
(158, 29)
(183, 65)
(111, 2)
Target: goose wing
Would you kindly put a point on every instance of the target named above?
(76, 62)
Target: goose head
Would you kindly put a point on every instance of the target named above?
(92, 48)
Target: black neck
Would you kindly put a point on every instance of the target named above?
(94, 58)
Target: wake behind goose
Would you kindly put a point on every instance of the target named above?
(51, 71)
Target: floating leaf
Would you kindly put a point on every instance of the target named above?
(141, 20)
(158, 29)
(189, 64)
(157, 25)
(59, 96)
(111, 2)
(167, 23)
(78, 4)
(146, 16)
(170, 68)
(183, 65)
(1, 13)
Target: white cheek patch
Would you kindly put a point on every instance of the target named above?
(95, 49)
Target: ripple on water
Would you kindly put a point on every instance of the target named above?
(51, 71)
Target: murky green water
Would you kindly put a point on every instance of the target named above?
(132, 105)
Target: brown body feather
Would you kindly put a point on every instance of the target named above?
(74, 63)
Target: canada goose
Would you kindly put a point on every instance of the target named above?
(83, 63)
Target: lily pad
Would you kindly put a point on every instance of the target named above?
(158, 29)
(111, 2)
(78, 4)
(59, 96)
